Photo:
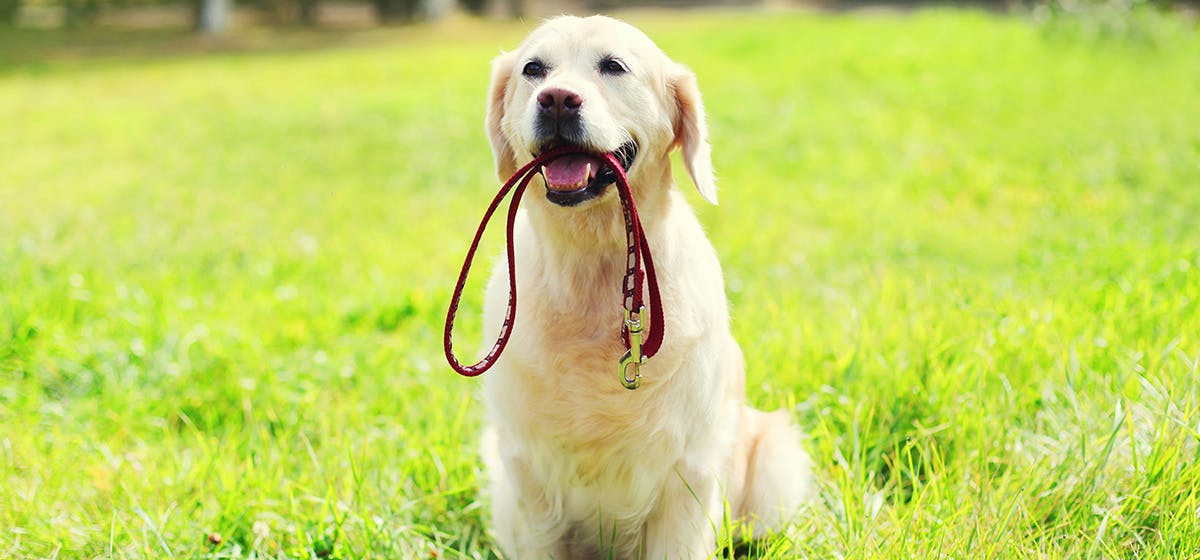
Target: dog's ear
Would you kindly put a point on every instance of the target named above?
(691, 132)
(502, 151)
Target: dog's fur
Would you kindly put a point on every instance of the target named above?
(578, 466)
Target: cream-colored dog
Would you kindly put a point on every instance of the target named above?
(578, 466)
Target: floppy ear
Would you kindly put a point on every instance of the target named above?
(691, 133)
(506, 163)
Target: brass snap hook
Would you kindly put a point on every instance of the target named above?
(627, 362)
(633, 357)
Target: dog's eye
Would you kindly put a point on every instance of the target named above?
(612, 66)
(534, 69)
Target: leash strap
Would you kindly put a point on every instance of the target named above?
(638, 250)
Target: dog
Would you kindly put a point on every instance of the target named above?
(577, 466)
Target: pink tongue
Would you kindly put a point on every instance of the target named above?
(570, 173)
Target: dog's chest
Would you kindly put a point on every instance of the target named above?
(620, 479)
(603, 447)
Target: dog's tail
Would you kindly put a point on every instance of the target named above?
(779, 474)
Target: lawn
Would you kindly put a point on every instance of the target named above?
(962, 248)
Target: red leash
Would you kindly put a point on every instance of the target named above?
(637, 351)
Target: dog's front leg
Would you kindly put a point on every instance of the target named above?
(527, 526)
(523, 516)
(682, 526)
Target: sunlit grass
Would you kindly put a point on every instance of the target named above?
(962, 250)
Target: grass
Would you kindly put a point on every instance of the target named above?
(964, 251)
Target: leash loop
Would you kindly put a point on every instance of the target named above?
(639, 271)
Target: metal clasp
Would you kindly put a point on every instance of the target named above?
(633, 357)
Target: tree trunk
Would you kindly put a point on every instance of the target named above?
(390, 11)
(10, 10)
(476, 7)
(517, 7)
(213, 16)
(308, 12)
(79, 12)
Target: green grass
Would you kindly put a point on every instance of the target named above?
(964, 251)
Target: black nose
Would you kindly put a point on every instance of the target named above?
(559, 102)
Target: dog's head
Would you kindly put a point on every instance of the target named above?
(601, 85)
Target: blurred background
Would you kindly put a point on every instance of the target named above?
(959, 241)
(222, 16)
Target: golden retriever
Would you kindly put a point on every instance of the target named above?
(578, 466)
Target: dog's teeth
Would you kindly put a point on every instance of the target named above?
(587, 175)
(543, 171)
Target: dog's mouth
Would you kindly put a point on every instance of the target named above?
(576, 178)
